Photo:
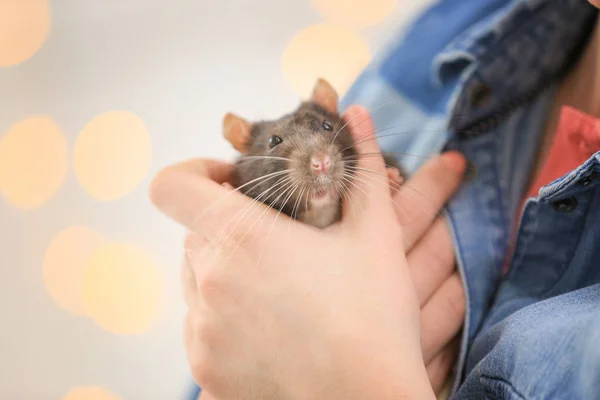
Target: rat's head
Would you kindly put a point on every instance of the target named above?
(305, 156)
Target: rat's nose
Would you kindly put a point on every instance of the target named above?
(320, 163)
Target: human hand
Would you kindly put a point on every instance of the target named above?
(439, 289)
(251, 313)
(431, 260)
(441, 299)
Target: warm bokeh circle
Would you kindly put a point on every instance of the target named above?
(24, 27)
(64, 263)
(33, 162)
(90, 393)
(323, 51)
(122, 289)
(112, 155)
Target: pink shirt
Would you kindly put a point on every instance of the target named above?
(577, 138)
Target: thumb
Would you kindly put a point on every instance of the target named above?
(191, 193)
(369, 187)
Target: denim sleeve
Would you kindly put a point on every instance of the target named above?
(547, 350)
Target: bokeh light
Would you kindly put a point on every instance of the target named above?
(122, 289)
(356, 13)
(24, 27)
(64, 262)
(33, 162)
(90, 393)
(322, 51)
(112, 155)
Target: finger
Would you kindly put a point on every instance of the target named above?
(421, 198)
(218, 171)
(191, 193)
(193, 246)
(204, 395)
(432, 260)
(442, 317)
(188, 283)
(207, 172)
(368, 188)
(440, 367)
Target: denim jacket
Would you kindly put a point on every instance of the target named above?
(480, 77)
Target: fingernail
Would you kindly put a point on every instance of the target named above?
(355, 109)
(455, 161)
(356, 115)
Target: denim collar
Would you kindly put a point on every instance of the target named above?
(504, 59)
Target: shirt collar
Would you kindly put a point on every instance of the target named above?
(507, 54)
(501, 25)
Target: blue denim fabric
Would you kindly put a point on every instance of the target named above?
(534, 334)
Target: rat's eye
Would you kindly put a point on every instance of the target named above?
(274, 141)
(327, 126)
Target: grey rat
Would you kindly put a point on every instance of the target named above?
(301, 163)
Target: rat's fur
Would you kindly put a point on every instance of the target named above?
(303, 135)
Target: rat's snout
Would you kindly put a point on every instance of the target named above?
(320, 163)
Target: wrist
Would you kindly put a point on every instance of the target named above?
(372, 372)
(405, 380)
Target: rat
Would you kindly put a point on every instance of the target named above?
(303, 162)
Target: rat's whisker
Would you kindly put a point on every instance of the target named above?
(380, 154)
(364, 175)
(346, 124)
(352, 161)
(346, 192)
(397, 206)
(221, 199)
(262, 177)
(261, 198)
(295, 144)
(291, 186)
(385, 178)
(308, 194)
(400, 192)
(350, 181)
(252, 158)
(377, 173)
(366, 170)
(375, 132)
(370, 112)
(275, 220)
(224, 233)
(284, 186)
(377, 136)
(296, 204)
(256, 201)
(259, 217)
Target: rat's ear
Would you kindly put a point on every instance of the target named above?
(237, 131)
(325, 95)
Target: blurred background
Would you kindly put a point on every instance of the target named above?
(97, 96)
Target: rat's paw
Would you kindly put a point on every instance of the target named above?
(395, 178)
